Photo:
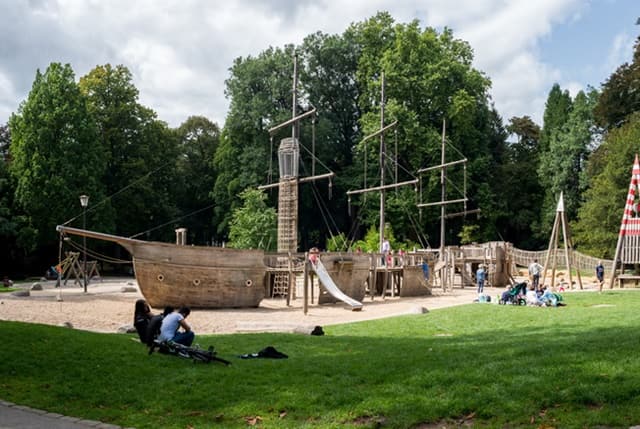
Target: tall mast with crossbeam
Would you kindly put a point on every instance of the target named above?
(288, 163)
(383, 155)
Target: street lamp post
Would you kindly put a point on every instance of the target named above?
(84, 202)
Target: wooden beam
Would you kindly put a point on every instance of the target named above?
(301, 180)
(448, 164)
(380, 131)
(441, 203)
(291, 121)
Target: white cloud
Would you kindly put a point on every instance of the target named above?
(621, 51)
(179, 52)
(7, 96)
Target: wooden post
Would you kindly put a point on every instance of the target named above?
(554, 231)
(305, 292)
(291, 277)
(372, 276)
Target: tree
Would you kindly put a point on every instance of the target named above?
(556, 113)
(561, 166)
(54, 155)
(596, 230)
(140, 152)
(429, 78)
(9, 218)
(260, 93)
(521, 194)
(620, 95)
(198, 139)
(254, 225)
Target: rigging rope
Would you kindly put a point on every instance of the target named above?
(316, 158)
(174, 220)
(94, 206)
(96, 255)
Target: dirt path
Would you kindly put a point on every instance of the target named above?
(106, 308)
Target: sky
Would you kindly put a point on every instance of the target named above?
(180, 51)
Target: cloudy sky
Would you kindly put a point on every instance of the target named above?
(180, 51)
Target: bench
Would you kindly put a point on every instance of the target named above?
(627, 278)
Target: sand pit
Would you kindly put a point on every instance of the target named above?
(106, 308)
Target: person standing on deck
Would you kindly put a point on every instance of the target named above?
(385, 249)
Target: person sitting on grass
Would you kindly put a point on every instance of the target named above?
(532, 298)
(169, 331)
(141, 317)
(548, 297)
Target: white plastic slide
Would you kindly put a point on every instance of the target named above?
(331, 287)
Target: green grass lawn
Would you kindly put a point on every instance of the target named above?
(482, 365)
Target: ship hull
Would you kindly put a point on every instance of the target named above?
(199, 277)
(194, 276)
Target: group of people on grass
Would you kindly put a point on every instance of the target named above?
(171, 325)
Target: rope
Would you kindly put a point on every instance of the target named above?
(97, 255)
(316, 158)
(399, 165)
(270, 174)
(94, 206)
(173, 221)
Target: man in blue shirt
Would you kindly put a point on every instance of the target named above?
(172, 323)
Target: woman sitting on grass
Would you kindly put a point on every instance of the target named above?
(141, 318)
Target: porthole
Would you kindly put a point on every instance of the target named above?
(196, 282)
(248, 283)
(160, 277)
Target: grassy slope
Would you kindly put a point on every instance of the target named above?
(497, 366)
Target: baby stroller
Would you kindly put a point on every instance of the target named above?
(516, 295)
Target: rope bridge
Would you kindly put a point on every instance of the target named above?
(581, 261)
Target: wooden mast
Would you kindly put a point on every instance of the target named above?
(443, 192)
(382, 187)
(443, 201)
(382, 159)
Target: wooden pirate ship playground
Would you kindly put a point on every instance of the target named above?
(210, 277)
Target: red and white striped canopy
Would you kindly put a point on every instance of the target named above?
(630, 225)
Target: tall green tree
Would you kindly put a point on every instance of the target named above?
(329, 78)
(198, 139)
(562, 164)
(140, 152)
(521, 195)
(55, 156)
(9, 227)
(259, 89)
(620, 94)
(556, 113)
(429, 78)
(596, 230)
(254, 224)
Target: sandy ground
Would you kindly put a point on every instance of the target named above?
(106, 307)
